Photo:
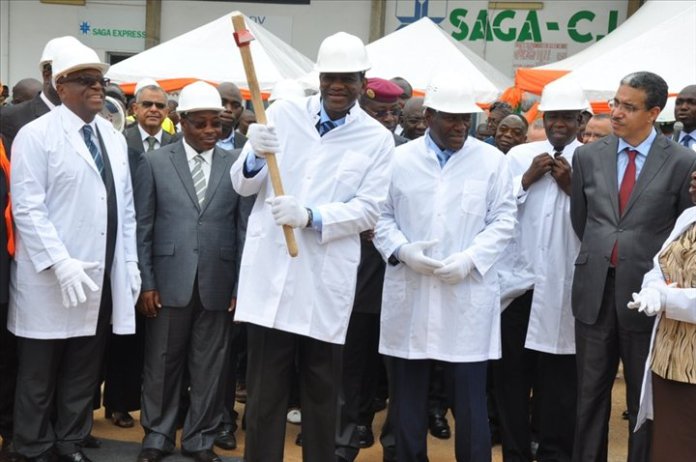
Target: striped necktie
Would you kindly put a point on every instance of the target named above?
(93, 148)
(199, 183)
(326, 127)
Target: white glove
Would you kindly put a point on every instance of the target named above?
(650, 301)
(71, 275)
(455, 268)
(286, 211)
(134, 279)
(412, 256)
(263, 139)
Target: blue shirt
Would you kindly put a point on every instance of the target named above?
(691, 142)
(643, 150)
(443, 155)
(227, 143)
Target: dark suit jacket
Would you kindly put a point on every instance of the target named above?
(178, 240)
(12, 118)
(136, 148)
(659, 196)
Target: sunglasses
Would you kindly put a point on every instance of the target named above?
(149, 104)
(87, 80)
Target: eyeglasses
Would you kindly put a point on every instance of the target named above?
(382, 114)
(149, 104)
(87, 80)
(625, 107)
(414, 120)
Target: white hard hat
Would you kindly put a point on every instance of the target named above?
(563, 95)
(449, 92)
(146, 82)
(52, 47)
(667, 114)
(74, 58)
(286, 89)
(199, 96)
(342, 52)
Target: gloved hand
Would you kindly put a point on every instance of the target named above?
(134, 279)
(263, 139)
(286, 211)
(412, 256)
(455, 268)
(650, 300)
(71, 275)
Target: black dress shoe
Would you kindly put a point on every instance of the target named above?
(119, 418)
(90, 442)
(225, 440)
(207, 455)
(150, 455)
(439, 427)
(78, 456)
(47, 456)
(365, 437)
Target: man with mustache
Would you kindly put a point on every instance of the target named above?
(334, 160)
(535, 277)
(597, 127)
(627, 191)
(75, 275)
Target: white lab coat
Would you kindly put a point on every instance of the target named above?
(343, 174)
(467, 205)
(59, 208)
(542, 255)
(682, 307)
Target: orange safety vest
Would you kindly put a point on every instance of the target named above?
(5, 166)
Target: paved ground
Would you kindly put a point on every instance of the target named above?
(439, 450)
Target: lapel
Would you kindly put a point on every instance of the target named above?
(177, 155)
(656, 158)
(39, 107)
(607, 156)
(77, 141)
(166, 139)
(217, 170)
(133, 138)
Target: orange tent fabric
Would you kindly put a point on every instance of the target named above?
(534, 80)
(5, 165)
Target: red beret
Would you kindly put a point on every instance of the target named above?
(382, 90)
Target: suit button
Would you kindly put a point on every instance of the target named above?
(621, 230)
(195, 250)
(200, 222)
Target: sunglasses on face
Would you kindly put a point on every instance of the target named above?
(149, 104)
(87, 80)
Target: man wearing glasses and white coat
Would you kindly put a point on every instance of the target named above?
(448, 216)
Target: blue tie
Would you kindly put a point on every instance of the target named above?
(686, 139)
(326, 127)
(443, 156)
(93, 149)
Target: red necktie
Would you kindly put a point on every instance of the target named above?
(627, 183)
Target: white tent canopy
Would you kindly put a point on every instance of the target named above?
(418, 50)
(660, 38)
(209, 53)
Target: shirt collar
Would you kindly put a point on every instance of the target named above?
(324, 117)
(191, 153)
(229, 139)
(434, 147)
(643, 148)
(683, 134)
(47, 101)
(145, 135)
(76, 123)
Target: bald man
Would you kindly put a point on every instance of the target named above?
(25, 89)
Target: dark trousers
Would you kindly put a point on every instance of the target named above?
(236, 344)
(410, 402)
(53, 405)
(553, 378)
(359, 385)
(599, 348)
(386, 437)
(123, 369)
(8, 374)
(184, 338)
(271, 357)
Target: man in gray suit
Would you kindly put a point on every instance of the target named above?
(188, 216)
(146, 134)
(627, 191)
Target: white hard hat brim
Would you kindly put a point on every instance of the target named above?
(102, 67)
(199, 109)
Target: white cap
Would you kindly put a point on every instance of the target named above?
(75, 58)
(52, 47)
(449, 92)
(286, 89)
(341, 53)
(146, 82)
(199, 96)
(563, 95)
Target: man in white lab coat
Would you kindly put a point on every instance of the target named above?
(448, 216)
(73, 210)
(536, 274)
(334, 160)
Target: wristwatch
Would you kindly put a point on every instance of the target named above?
(310, 217)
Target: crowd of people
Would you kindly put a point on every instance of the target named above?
(498, 271)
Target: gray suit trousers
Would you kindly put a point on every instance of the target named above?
(178, 338)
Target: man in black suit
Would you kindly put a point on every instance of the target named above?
(627, 191)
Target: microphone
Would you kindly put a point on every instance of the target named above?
(678, 127)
